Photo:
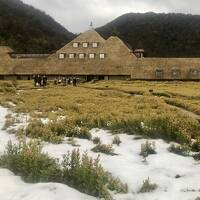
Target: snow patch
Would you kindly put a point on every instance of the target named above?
(177, 177)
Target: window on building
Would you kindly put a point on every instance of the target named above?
(62, 55)
(75, 44)
(159, 73)
(91, 55)
(85, 44)
(95, 44)
(102, 55)
(176, 73)
(72, 55)
(194, 72)
(81, 55)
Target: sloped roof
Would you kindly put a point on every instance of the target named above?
(5, 49)
(88, 36)
(116, 42)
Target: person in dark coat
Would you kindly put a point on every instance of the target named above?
(35, 80)
(55, 81)
(39, 80)
(74, 81)
(64, 81)
(44, 81)
(69, 81)
(59, 80)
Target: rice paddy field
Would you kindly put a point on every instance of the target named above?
(107, 139)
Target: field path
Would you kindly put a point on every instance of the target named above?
(187, 112)
(140, 93)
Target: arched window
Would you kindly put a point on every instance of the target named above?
(159, 73)
(176, 73)
(194, 72)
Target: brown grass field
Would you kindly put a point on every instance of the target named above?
(133, 107)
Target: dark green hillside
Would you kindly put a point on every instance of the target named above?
(29, 30)
(161, 35)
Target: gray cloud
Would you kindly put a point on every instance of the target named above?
(76, 15)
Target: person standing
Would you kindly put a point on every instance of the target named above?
(74, 81)
(35, 80)
(55, 81)
(69, 81)
(39, 80)
(44, 80)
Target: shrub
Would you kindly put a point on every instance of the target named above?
(79, 132)
(168, 126)
(196, 145)
(7, 87)
(97, 140)
(148, 186)
(57, 128)
(14, 83)
(12, 131)
(117, 140)
(103, 148)
(196, 156)
(27, 161)
(36, 129)
(147, 149)
(117, 185)
(10, 121)
(73, 142)
(88, 176)
(182, 150)
(81, 172)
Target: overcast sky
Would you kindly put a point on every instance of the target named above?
(76, 15)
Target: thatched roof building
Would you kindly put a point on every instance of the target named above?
(91, 56)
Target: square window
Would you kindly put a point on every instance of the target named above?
(62, 55)
(81, 55)
(102, 55)
(85, 45)
(71, 55)
(75, 44)
(94, 44)
(91, 55)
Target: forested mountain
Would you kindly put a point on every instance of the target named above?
(29, 30)
(161, 35)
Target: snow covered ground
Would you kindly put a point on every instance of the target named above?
(13, 188)
(162, 169)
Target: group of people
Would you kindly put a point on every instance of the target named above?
(40, 80)
(67, 81)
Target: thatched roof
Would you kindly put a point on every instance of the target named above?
(119, 60)
(5, 50)
(88, 36)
